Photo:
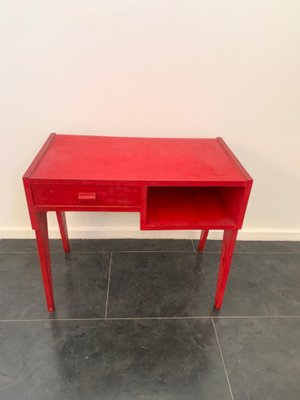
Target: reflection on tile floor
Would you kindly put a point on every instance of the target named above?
(162, 339)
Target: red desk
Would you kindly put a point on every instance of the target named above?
(173, 183)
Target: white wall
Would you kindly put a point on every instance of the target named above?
(196, 68)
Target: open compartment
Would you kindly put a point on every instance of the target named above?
(197, 207)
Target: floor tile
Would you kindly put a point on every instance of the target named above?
(120, 360)
(210, 246)
(262, 284)
(262, 357)
(95, 245)
(17, 245)
(267, 246)
(170, 284)
(80, 285)
(150, 284)
(160, 284)
(150, 359)
(81, 245)
(37, 361)
(255, 246)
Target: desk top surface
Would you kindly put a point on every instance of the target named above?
(129, 159)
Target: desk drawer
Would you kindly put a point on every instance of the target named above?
(103, 195)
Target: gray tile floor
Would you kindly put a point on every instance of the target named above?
(135, 320)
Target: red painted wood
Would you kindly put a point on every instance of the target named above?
(73, 194)
(228, 245)
(123, 159)
(30, 202)
(173, 183)
(203, 238)
(84, 197)
(32, 167)
(244, 203)
(187, 208)
(41, 232)
(62, 223)
(86, 207)
(234, 159)
(27, 178)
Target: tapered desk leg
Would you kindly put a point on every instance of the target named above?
(228, 245)
(62, 223)
(41, 232)
(202, 240)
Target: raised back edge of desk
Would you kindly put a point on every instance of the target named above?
(79, 181)
(39, 156)
(238, 164)
(222, 143)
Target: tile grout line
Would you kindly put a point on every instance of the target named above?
(148, 318)
(153, 251)
(222, 358)
(193, 244)
(253, 316)
(108, 284)
(105, 251)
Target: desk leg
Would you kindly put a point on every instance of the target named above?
(202, 241)
(229, 239)
(41, 233)
(62, 223)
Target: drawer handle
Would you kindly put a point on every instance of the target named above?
(87, 197)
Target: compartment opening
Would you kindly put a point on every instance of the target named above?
(184, 207)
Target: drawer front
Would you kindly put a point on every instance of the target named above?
(47, 194)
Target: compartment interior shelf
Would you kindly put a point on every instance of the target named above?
(191, 207)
